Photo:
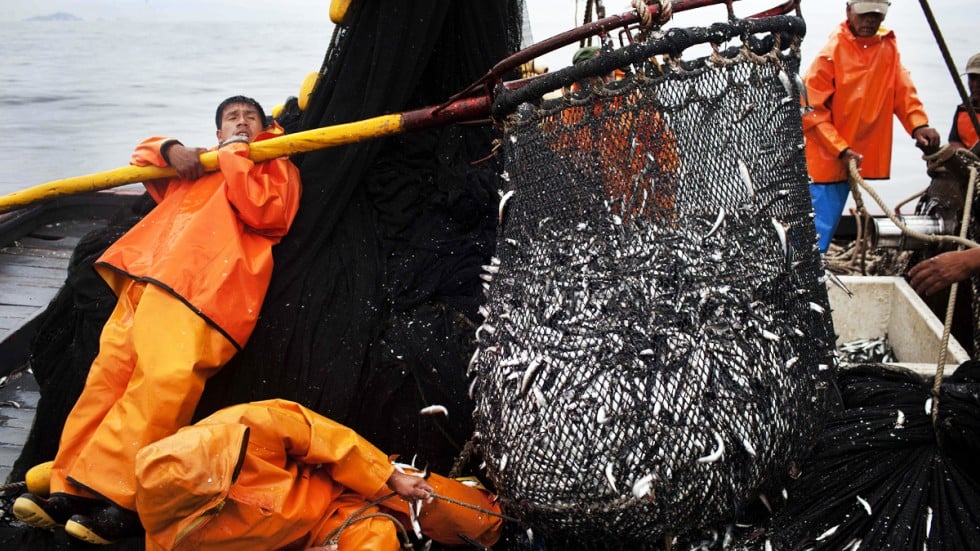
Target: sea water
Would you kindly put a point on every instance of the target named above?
(77, 96)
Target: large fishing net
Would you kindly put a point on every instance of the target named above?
(657, 342)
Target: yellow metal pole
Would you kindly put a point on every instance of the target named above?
(310, 140)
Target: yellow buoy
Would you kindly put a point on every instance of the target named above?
(338, 9)
(306, 89)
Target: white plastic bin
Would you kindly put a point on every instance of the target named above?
(888, 306)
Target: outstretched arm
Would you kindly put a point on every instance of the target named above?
(185, 160)
(939, 272)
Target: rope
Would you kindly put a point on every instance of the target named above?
(953, 239)
(961, 240)
(476, 508)
(643, 12)
(666, 11)
(863, 219)
(13, 486)
(332, 537)
(947, 327)
(647, 23)
(358, 515)
(902, 203)
(402, 532)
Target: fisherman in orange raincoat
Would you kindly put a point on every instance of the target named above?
(963, 133)
(276, 475)
(190, 278)
(855, 84)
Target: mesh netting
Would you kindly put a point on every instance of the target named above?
(658, 335)
(883, 475)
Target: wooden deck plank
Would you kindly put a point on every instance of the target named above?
(13, 316)
(23, 259)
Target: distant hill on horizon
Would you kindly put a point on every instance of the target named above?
(59, 16)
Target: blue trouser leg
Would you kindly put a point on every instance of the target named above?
(828, 205)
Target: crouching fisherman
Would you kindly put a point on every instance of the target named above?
(190, 278)
(274, 475)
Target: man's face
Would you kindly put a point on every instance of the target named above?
(240, 119)
(974, 83)
(864, 25)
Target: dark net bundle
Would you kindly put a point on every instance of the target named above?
(371, 311)
(658, 343)
(883, 476)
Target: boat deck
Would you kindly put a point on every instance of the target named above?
(36, 245)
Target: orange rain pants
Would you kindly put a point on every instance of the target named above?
(155, 355)
(276, 475)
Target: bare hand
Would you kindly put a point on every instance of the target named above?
(926, 137)
(849, 154)
(408, 486)
(187, 161)
(939, 272)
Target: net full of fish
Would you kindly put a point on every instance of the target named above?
(657, 339)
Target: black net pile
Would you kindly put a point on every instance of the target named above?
(883, 476)
(658, 340)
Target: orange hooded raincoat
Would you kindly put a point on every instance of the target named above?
(209, 241)
(275, 475)
(855, 85)
(190, 279)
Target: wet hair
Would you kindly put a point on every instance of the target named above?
(239, 99)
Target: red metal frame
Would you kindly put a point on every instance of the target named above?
(601, 26)
(474, 102)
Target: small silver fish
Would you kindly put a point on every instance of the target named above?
(434, 410)
(717, 454)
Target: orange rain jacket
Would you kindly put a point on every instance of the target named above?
(854, 86)
(274, 475)
(963, 130)
(622, 154)
(210, 243)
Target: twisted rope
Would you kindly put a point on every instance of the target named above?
(13, 486)
(334, 536)
(863, 221)
(951, 304)
(647, 23)
(952, 239)
(358, 515)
